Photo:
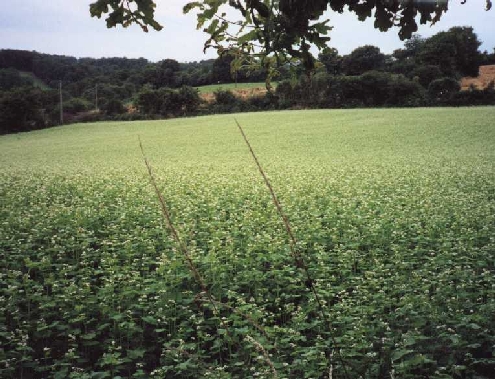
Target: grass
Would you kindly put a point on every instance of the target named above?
(231, 87)
(393, 211)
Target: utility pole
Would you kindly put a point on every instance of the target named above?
(96, 98)
(61, 104)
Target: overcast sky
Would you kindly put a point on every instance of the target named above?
(65, 27)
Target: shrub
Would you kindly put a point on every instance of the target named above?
(426, 74)
(405, 92)
(168, 102)
(226, 101)
(225, 97)
(23, 109)
(148, 102)
(10, 78)
(443, 89)
(76, 105)
(113, 106)
(189, 99)
(285, 94)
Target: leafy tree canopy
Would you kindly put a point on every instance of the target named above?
(274, 31)
(331, 59)
(456, 49)
(362, 59)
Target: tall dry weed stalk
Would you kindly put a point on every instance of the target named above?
(182, 247)
(196, 274)
(259, 347)
(296, 254)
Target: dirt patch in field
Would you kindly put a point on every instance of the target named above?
(242, 93)
(486, 75)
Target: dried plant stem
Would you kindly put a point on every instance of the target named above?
(296, 255)
(330, 368)
(262, 350)
(192, 267)
(182, 247)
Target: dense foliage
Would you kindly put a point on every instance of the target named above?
(393, 210)
(11, 78)
(107, 84)
(276, 31)
(129, 89)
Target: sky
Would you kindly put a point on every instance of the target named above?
(65, 27)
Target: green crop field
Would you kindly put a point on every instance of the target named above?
(393, 211)
(231, 86)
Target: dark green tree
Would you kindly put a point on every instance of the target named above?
(487, 58)
(426, 74)
(23, 109)
(225, 97)
(189, 98)
(362, 59)
(411, 49)
(331, 59)
(168, 70)
(371, 88)
(113, 107)
(19, 59)
(76, 105)
(455, 52)
(162, 74)
(168, 102)
(10, 78)
(443, 89)
(221, 72)
(468, 58)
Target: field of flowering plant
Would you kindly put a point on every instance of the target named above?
(391, 272)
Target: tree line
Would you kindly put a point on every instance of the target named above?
(426, 71)
(271, 33)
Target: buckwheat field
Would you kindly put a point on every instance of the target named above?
(392, 274)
